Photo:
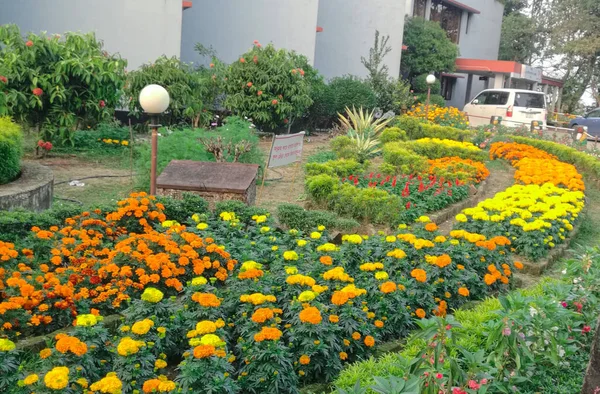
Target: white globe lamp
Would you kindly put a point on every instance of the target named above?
(430, 79)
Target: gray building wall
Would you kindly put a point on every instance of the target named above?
(139, 30)
(231, 26)
(480, 41)
(349, 31)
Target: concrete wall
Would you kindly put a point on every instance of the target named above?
(230, 26)
(349, 31)
(139, 30)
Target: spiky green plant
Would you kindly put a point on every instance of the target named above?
(364, 130)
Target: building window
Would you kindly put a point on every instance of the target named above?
(420, 8)
(468, 23)
(448, 17)
(448, 87)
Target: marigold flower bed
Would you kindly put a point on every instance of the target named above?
(238, 306)
(536, 216)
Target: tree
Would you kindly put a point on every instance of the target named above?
(429, 48)
(514, 6)
(268, 86)
(377, 70)
(519, 38)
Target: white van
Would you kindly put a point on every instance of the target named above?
(516, 107)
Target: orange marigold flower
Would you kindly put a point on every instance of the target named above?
(311, 315)
(369, 341)
(419, 274)
(204, 351)
(343, 355)
(304, 359)
(460, 267)
(268, 333)
(206, 299)
(326, 260)
(463, 291)
(489, 279)
(388, 287)
(443, 261)
(356, 336)
(334, 318)
(518, 265)
(420, 313)
(379, 324)
(431, 227)
(251, 274)
(339, 297)
(261, 315)
(45, 353)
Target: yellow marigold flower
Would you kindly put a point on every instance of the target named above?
(290, 255)
(57, 378)
(321, 228)
(86, 320)
(328, 247)
(30, 379)
(381, 275)
(397, 253)
(128, 346)
(291, 270)
(390, 239)
(159, 364)
(265, 229)
(315, 235)
(199, 281)
(152, 295)
(319, 289)
(205, 327)
(353, 239)
(423, 219)
(6, 345)
(301, 242)
(142, 327)
(461, 217)
(439, 239)
(306, 296)
(250, 265)
(227, 216)
(202, 226)
(212, 339)
(82, 382)
(110, 384)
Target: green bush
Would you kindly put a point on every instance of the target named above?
(349, 91)
(185, 145)
(420, 85)
(340, 168)
(408, 124)
(11, 149)
(182, 210)
(321, 156)
(344, 147)
(59, 83)
(585, 162)
(187, 89)
(445, 132)
(368, 204)
(392, 134)
(435, 149)
(268, 86)
(404, 161)
(434, 99)
(321, 187)
(295, 217)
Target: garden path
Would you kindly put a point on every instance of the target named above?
(501, 177)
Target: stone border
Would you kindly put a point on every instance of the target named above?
(537, 269)
(32, 190)
(448, 213)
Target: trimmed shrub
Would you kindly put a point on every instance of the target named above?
(349, 91)
(182, 210)
(344, 147)
(392, 134)
(445, 132)
(370, 204)
(295, 217)
(11, 149)
(340, 168)
(409, 124)
(402, 160)
(434, 148)
(321, 186)
(321, 156)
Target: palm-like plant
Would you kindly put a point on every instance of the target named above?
(364, 130)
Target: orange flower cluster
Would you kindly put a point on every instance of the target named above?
(495, 275)
(80, 267)
(207, 300)
(539, 171)
(311, 315)
(468, 171)
(65, 343)
(419, 274)
(268, 334)
(514, 152)
(204, 351)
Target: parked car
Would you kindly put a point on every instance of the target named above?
(591, 120)
(516, 107)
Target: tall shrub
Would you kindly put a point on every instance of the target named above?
(11, 141)
(58, 84)
(187, 89)
(268, 86)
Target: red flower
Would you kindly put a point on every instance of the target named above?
(102, 104)
(586, 329)
(406, 190)
(212, 65)
(294, 71)
(242, 60)
(95, 280)
(3, 79)
(249, 84)
(255, 59)
(285, 121)
(274, 102)
(259, 93)
(48, 145)
(255, 42)
(40, 143)
(37, 91)
(302, 72)
(29, 43)
(408, 205)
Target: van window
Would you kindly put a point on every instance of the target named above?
(530, 100)
(497, 98)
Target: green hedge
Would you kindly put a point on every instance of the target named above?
(11, 150)
(436, 149)
(340, 168)
(392, 134)
(182, 210)
(585, 162)
(402, 160)
(416, 129)
(295, 217)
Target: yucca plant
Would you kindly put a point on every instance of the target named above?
(364, 130)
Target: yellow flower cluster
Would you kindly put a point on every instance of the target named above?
(128, 346)
(328, 247)
(302, 280)
(109, 384)
(447, 116)
(57, 378)
(352, 238)
(87, 320)
(152, 295)
(372, 266)
(257, 298)
(110, 141)
(337, 273)
(142, 327)
(449, 143)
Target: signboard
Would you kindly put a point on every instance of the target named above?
(531, 73)
(286, 149)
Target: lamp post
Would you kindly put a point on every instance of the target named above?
(154, 100)
(430, 81)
